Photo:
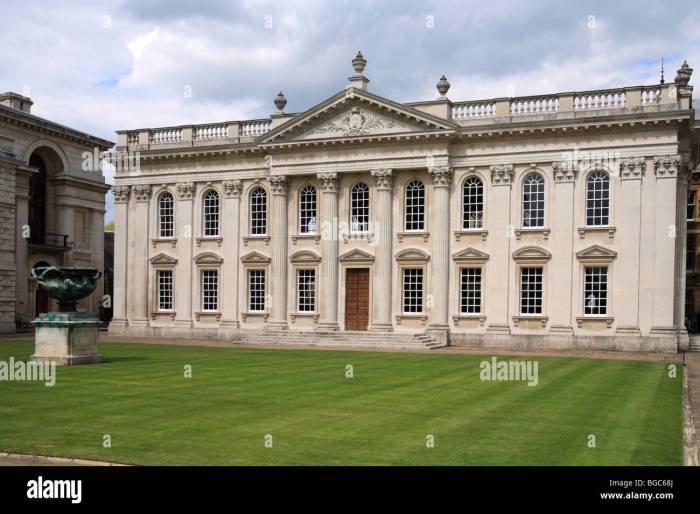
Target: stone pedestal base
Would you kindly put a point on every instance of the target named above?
(66, 338)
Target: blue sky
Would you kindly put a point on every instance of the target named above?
(101, 66)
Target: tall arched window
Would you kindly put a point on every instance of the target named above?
(598, 199)
(37, 200)
(533, 200)
(166, 215)
(414, 214)
(210, 214)
(307, 210)
(359, 208)
(472, 203)
(258, 211)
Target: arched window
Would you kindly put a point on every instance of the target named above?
(307, 210)
(37, 201)
(359, 208)
(166, 216)
(210, 213)
(258, 211)
(598, 199)
(414, 214)
(472, 203)
(533, 200)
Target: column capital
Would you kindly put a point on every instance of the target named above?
(565, 171)
(185, 190)
(278, 183)
(501, 174)
(121, 193)
(142, 192)
(232, 188)
(329, 182)
(383, 177)
(442, 175)
(667, 165)
(632, 168)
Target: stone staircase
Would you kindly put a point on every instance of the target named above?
(351, 339)
(695, 343)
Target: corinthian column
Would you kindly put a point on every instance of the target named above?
(232, 202)
(442, 176)
(121, 231)
(329, 252)
(278, 241)
(381, 319)
(183, 273)
(137, 287)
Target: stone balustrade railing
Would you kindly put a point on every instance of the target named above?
(472, 113)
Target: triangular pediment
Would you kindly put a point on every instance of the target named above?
(304, 256)
(208, 258)
(596, 253)
(354, 113)
(357, 256)
(531, 253)
(412, 254)
(163, 259)
(255, 258)
(470, 255)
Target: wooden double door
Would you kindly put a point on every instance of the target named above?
(356, 298)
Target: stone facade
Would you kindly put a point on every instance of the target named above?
(549, 221)
(52, 204)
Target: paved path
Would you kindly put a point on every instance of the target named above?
(16, 459)
(691, 407)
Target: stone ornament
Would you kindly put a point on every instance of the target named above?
(442, 175)
(121, 193)
(357, 122)
(280, 102)
(359, 63)
(565, 171)
(232, 188)
(683, 74)
(666, 165)
(501, 174)
(329, 182)
(278, 184)
(443, 86)
(185, 190)
(633, 167)
(142, 192)
(383, 178)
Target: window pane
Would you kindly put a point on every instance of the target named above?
(412, 290)
(258, 211)
(595, 291)
(210, 290)
(166, 217)
(306, 290)
(307, 210)
(533, 201)
(531, 291)
(415, 206)
(597, 199)
(211, 214)
(256, 290)
(359, 208)
(690, 210)
(472, 203)
(470, 288)
(165, 290)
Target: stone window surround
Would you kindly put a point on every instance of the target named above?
(155, 216)
(254, 261)
(401, 187)
(468, 258)
(583, 228)
(459, 191)
(595, 255)
(522, 175)
(198, 211)
(207, 261)
(411, 258)
(530, 256)
(303, 260)
(296, 201)
(162, 262)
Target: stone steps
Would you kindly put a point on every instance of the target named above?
(330, 339)
(695, 344)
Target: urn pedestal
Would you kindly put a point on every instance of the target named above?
(66, 338)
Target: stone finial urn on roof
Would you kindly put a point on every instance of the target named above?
(359, 63)
(280, 102)
(683, 74)
(443, 86)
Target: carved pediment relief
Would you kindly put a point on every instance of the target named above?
(531, 253)
(470, 255)
(163, 260)
(208, 258)
(412, 254)
(596, 253)
(305, 256)
(357, 121)
(357, 256)
(255, 258)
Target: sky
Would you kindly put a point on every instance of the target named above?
(101, 66)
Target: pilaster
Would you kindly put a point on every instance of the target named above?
(381, 319)
(440, 259)
(231, 226)
(279, 243)
(328, 305)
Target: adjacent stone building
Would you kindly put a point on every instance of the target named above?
(52, 204)
(549, 221)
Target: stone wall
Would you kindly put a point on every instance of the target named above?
(7, 246)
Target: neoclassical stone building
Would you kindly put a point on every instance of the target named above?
(52, 205)
(548, 221)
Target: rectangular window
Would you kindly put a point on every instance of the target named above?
(595, 291)
(412, 290)
(165, 290)
(470, 291)
(256, 290)
(690, 253)
(690, 207)
(210, 290)
(306, 290)
(530, 290)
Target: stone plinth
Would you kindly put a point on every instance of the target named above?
(66, 338)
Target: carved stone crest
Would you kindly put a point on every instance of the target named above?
(357, 122)
(232, 187)
(501, 174)
(185, 190)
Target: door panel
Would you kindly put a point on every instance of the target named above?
(356, 299)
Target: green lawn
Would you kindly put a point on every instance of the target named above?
(237, 396)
